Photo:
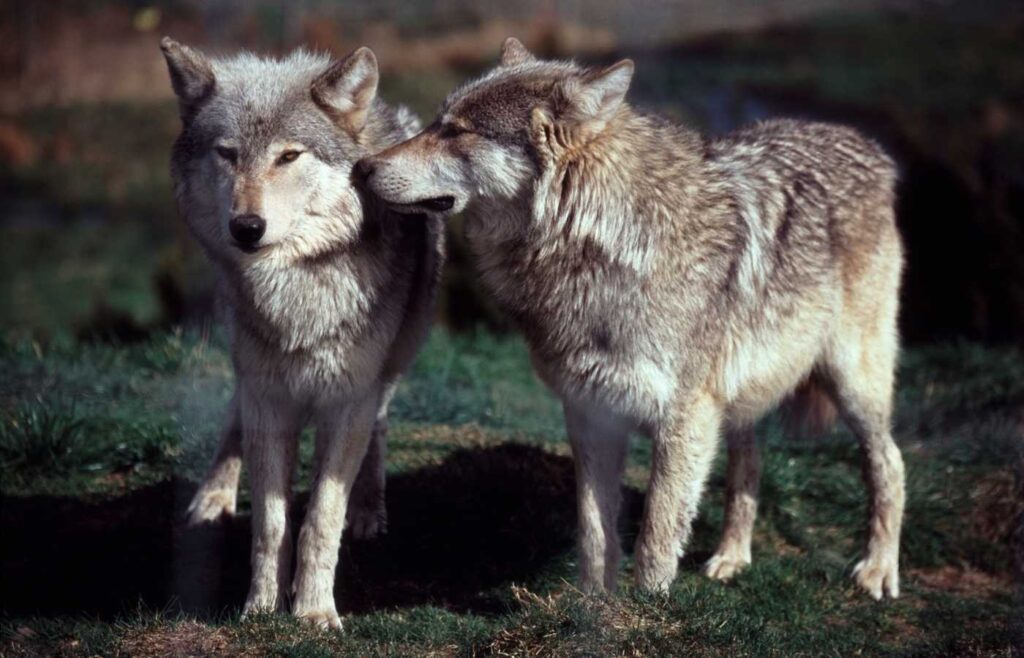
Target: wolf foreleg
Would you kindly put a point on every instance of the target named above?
(345, 436)
(270, 432)
(599, 442)
(217, 493)
(683, 452)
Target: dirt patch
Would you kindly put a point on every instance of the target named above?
(998, 507)
(185, 639)
(964, 582)
(570, 623)
(17, 147)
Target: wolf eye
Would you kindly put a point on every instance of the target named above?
(229, 154)
(288, 156)
(451, 130)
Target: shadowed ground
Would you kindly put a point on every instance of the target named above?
(480, 520)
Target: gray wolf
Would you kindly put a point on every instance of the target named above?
(326, 297)
(674, 285)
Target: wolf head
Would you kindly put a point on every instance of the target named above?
(262, 167)
(493, 136)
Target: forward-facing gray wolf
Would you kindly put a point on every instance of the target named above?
(327, 297)
(672, 284)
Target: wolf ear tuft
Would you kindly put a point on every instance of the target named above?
(345, 91)
(599, 94)
(514, 52)
(191, 76)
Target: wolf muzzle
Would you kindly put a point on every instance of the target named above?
(364, 171)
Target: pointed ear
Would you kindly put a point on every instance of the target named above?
(599, 94)
(191, 76)
(514, 52)
(345, 91)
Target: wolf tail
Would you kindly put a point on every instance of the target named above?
(810, 410)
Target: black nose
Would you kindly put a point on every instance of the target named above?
(364, 169)
(247, 229)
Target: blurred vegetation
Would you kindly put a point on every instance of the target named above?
(90, 244)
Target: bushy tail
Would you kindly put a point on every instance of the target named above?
(809, 411)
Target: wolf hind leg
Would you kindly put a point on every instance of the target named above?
(367, 511)
(878, 572)
(863, 384)
(218, 492)
(742, 480)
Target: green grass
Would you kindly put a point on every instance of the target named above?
(51, 285)
(99, 445)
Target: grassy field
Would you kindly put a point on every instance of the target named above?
(101, 446)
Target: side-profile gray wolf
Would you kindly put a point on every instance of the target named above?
(327, 296)
(674, 285)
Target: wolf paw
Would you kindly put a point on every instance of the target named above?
(325, 618)
(210, 505)
(723, 566)
(591, 586)
(878, 576)
(263, 605)
(655, 573)
(368, 521)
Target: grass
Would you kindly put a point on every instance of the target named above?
(100, 447)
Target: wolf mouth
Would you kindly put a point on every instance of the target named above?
(246, 248)
(435, 204)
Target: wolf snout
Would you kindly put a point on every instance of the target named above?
(247, 229)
